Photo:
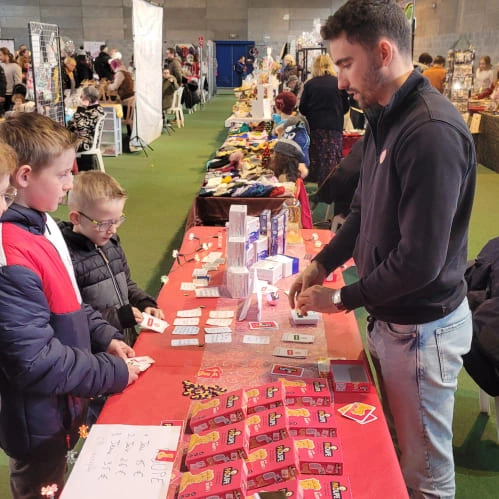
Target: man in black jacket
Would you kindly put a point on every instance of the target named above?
(407, 231)
(101, 64)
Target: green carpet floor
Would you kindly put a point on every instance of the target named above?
(161, 189)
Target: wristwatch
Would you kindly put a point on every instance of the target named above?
(336, 299)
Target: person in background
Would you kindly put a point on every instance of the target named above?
(295, 85)
(285, 105)
(96, 206)
(492, 92)
(418, 160)
(8, 164)
(3, 89)
(324, 106)
(170, 84)
(123, 84)
(101, 64)
(70, 80)
(424, 62)
(241, 70)
(174, 64)
(288, 68)
(83, 69)
(250, 63)
(13, 75)
(484, 75)
(83, 124)
(55, 351)
(436, 73)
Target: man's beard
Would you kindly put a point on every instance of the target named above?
(372, 81)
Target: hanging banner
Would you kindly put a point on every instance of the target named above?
(147, 46)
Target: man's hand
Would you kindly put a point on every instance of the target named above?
(120, 349)
(314, 274)
(318, 299)
(137, 314)
(155, 312)
(133, 374)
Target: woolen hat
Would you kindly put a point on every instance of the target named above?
(296, 131)
(285, 102)
(290, 148)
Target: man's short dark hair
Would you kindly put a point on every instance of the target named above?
(439, 59)
(366, 21)
(103, 47)
(425, 58)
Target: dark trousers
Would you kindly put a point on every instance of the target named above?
(44, 466)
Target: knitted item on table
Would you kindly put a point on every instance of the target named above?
(266, 156)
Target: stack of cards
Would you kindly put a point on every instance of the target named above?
(359, 412)
(153, 323)
(143, 363)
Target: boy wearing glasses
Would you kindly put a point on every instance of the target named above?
(55, 351)
(96, 206)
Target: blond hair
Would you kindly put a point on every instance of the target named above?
(323, 66)
(36, 139)
(289, 59)
(93, 186)
(8, 159)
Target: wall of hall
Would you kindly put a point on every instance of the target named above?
(440, 23)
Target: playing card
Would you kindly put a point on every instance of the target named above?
(283, 370)
(185, 330)
(221, 314)
(256, 340)
(142, 363)
(219, 322)
(217, 330)
(211, 292)
(263, 325)
(193, 312)
(357, 411)
(292, 353)
(186, 321)
(184, 342)
(153, 323)
(297, 338)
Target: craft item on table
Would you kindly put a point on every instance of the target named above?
(153, 323)
(283, 370)
(185, 342)
(359, 412)
(187, 330)
(219, 338)
(311, 319)
(265, 397)
(326, 487)
(272, 298)
(256, 340)
(319, 456)
(266, 156)
(143, 362)
(198, 391)
(268, 426)
(193, 312)
(297, 338)
(311, 392)
(311, 421)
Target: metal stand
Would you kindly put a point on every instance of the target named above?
(136, 137)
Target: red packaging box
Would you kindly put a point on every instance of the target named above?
(267, 427)
(221, 445)
(311, 422)
(350, 376)
(271, 464)
(219, 411)
(312, 392)
(319, 456)
(291, 488)
(224, 481)
(325, 487)
(265, 397)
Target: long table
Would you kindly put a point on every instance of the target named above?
(369, 457)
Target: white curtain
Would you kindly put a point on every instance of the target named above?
(147, 56)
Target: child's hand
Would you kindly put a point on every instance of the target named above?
(133, 374)
(155, 312)
(138, 315)
(120, 349)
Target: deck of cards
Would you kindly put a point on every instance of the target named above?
(359, 412)
(143, 363)
(153, 323)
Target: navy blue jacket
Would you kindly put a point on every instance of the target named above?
(47, 339)
(408, 226)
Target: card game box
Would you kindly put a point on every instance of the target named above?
(264, 397)
(319, 456)
(350, 376)
(222, 445)
(223, 481)
(325, 487)
(311, 421)
(313, 392)
(227, 409)
(267, 427)
(290, 488)
(271, 464)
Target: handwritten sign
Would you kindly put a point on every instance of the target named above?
(124, 461)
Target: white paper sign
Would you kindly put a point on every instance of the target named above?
(124, 461)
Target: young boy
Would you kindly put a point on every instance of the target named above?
(96, 206)
(54, 350)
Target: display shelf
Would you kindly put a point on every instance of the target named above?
(111, 135)
(459, 79)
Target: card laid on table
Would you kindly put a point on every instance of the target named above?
(282, 370)
(192, 330)
(153, 323)
(186, 321)
(263, 325)
(297, 338)
(359, 412)
(193, 312)
(291, 353)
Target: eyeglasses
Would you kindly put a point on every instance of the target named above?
(105, 225)
(9, 195)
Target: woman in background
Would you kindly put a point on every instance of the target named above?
(324, 106)
(484, 75)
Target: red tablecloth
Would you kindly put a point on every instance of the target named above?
(369, 458)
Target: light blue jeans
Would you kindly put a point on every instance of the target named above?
(417, 368)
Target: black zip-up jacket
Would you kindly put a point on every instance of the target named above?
(408, 226)
(104, 280)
